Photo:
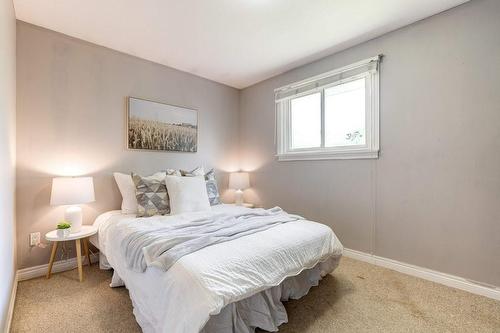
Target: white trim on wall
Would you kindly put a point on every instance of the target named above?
(12, 302)
(59, 266)
(449, 280)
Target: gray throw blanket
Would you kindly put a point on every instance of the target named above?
(162, 247)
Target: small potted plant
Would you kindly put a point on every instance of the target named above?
(63, 229)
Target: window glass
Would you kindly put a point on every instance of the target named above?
(345, 123)
(305, 117)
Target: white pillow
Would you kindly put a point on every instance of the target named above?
(187, 194)
(127, 189)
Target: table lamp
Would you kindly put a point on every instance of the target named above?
(239, 181)
(72, 191)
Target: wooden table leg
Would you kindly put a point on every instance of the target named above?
(52, 257)
(79, 259)
(86, 249)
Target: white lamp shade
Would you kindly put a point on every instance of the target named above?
(72, 191)
(239, 180)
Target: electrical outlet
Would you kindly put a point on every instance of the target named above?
(34, 239)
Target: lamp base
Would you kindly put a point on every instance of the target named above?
(238, 198)
(73, 215)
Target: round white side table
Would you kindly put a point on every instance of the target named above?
(83, 234)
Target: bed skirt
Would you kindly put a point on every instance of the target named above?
(265, 310)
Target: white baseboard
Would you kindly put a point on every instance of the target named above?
(449, 280)
(12, 301)
(59, 266)
(427, 274)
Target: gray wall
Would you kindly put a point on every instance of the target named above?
(71, 121)
(432, 198)
(7, 154)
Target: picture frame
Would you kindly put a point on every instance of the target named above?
(157, 126)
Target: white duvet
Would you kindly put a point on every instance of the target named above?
(202, 283)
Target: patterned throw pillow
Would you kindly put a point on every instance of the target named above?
(212, 189)
(151, 194)
(173, 172)
(211, 182)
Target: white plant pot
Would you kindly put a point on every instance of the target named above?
(63, 233)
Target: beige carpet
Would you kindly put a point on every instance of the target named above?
(358, 297)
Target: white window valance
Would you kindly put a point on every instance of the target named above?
(360, 68)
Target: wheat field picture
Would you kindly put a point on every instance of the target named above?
(161, 127)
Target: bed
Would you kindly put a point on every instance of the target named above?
(232, 286)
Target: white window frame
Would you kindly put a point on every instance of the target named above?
(318, 84)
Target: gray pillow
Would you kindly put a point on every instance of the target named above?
(211, 182)
(151, 194)
(212, 189)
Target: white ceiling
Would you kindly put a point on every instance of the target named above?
(235, 42)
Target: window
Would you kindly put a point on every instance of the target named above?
(330, 116)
